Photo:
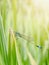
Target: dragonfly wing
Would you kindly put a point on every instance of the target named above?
(29, 39)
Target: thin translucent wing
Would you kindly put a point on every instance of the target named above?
(17, 34)
(23, 36)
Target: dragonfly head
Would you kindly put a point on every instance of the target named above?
(17, 34)
(39, 46)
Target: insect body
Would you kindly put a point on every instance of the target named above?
(17, 34)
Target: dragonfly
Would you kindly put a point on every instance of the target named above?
(17, 34)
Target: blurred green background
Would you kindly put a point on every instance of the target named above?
(28, 17)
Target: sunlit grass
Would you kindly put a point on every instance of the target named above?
(30, 18)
